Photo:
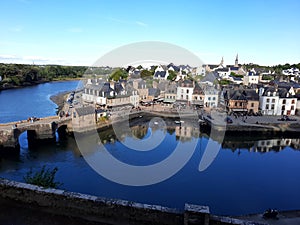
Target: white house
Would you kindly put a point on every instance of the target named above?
(211, 96)
(224, 73)
(185, 90)
(277, 101)
(251, 78)
(268, 100)
(287, 102)
(161, 73)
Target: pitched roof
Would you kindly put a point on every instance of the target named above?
(160, 74)
(197, 89)
(85, 111)
(210, 77)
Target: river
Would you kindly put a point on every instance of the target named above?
(248, 175)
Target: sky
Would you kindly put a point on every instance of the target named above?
(80, 32)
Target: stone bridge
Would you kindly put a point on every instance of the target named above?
(42, 129)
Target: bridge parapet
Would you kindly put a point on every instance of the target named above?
(41, 129)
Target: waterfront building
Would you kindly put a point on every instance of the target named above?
(268, 100)
(83, 118)
(287, 102)
(185, 90)
(141, 86)
(110, 94)
(241, 100)
(277, 101)
(170, 93)
(235, 100)
(211, 96)
(198, 96)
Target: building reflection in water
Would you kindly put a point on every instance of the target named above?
(265, 145)
(186, 131)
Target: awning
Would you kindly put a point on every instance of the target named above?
(168, 100)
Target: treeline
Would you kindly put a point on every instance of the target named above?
(16, 75)
(277, 68)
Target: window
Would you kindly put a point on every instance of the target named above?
(267, 106)
(214, 98)
(181, 90)
(208, 98)
(187, 91)
(235, 104)
(273, 100)
(284, 101)
(272, 106)
(293, 101)
(283, 108)
(181, 96)
(187, 97)
(252, 104)
(268, 100)
(292, 107)
(241, 104)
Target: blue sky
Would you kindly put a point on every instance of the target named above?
(79, 32)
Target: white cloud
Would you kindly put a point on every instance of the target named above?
(141, 24)
(9, 57)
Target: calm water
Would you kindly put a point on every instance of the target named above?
(19, 104)
(242, 178)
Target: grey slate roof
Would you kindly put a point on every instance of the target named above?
(210, 77)
(160, 74)
(85, 111)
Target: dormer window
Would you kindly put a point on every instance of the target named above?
(274, 93)
(269, 93)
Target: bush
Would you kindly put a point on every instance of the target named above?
(44, 177)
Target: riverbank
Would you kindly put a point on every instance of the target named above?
(60, 99)
(35, 83)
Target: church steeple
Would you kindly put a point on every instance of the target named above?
(222, 61)
(236, 63)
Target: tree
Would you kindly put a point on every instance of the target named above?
(140, 67)
(118, 74)
(146, 73)
(172, 75)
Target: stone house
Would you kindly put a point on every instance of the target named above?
(141, 86)
(83, 118)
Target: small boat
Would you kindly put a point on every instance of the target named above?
(177, 121)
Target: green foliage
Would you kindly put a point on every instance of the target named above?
(146, 73)
(21, 74)
(267, 77)
(172, 75)
(44, 177)
(118, 74)
(15, 80)
(224, 82)
(236, 75)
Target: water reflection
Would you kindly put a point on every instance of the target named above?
(244, 181)
(263, 145)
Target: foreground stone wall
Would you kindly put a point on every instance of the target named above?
(108, 211)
